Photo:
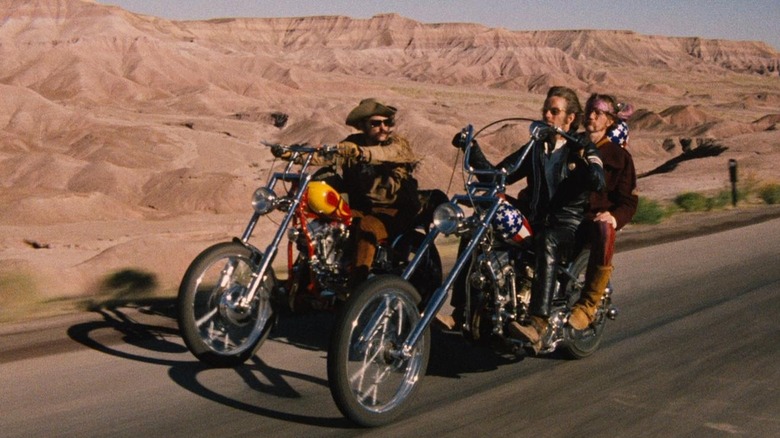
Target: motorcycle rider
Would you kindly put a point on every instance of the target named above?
(610, 209)
(560, 176)
(377, 172)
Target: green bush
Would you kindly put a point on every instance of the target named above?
(648, 212)
(770, 193)
(692, 201)
(721, 199)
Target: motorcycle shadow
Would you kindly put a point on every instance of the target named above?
(146, 331)
(309, 331)
(150, 324)
(452, 356)
(147, 324)
(270, 383)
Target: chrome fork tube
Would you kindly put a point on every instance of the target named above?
(273, 247)
(438, 297)
(250, 227)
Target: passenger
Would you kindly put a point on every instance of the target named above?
(611, 208)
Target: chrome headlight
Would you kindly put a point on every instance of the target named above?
(263, 200)
(447, 218)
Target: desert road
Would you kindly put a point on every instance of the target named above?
(694, 352)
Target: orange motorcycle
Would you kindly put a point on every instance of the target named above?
(230, 296)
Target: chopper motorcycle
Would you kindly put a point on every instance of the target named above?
(230, 297)
(380, 348)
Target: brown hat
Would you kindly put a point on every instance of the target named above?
(367, 108)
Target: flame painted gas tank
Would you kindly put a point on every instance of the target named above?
(324, 200)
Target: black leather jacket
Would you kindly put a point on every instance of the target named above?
(579, 172)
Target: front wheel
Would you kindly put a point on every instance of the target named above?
(370, 383)
(216, 326)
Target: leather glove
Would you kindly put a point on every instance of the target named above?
(459, 139)
(349, 150)
(279, 151)
(595, 167)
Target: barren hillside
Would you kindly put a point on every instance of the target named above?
(117, 127)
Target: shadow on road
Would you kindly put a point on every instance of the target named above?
(453, 356)
(275, 383)
(145, 331)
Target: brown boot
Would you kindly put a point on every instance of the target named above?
(583, 313)
(447, 322)
(530, 332)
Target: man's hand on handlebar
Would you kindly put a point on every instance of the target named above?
(460, 141)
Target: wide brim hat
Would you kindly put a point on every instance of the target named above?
(367, 108)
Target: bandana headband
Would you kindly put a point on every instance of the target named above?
(602, 106)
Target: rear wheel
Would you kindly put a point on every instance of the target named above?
(580, 344)
(217, 328)
(369, 382)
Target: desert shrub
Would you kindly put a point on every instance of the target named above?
(770, 193)
(692, 201)
(721, 199)
(648, 211)
(747, 185)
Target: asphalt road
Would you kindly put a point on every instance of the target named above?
(694, 352)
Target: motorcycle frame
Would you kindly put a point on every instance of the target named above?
(477, 193)
(300, 178)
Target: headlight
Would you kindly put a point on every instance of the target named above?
(263, 200)
(447, 218)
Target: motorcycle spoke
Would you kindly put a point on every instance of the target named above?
(361, 374)
(386, 320)
(373, 323)
(226, 341)
(206, 317)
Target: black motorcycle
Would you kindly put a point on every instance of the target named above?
(380, 348)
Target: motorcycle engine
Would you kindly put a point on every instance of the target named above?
(329, 240)
(494, 268)
(495, 279)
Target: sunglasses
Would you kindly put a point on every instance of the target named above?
(554, 111)
(377, 123)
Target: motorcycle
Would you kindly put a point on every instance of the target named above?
(380, 348)
(230, 297)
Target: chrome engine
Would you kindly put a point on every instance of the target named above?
(329, 241)
(495, 276)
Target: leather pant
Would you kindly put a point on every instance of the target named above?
(601, 237)
(548, 246)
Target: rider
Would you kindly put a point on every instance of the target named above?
(559, 176)
(611, 208)
(377, 168)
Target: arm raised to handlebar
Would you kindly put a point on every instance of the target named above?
(293, 151)
(538, 131)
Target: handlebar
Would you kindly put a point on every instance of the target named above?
(304, 148)
(538, 131)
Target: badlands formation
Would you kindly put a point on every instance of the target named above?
(128, 143)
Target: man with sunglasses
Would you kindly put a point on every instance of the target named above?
(560, 176)
(376, 174)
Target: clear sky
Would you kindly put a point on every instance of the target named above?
(722, 19)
